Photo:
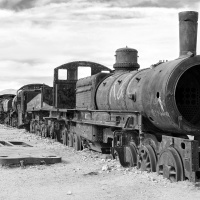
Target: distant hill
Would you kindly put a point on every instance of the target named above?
(8, 91)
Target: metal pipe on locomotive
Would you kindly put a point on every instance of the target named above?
(142, 117)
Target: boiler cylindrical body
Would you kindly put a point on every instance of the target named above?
(168, 95)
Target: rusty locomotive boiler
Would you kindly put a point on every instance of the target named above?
(148, 118)
(167, 94)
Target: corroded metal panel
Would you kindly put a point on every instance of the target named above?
(47, 95)
(21, 153)
(65, 95)
(64, 90)
(188, 32)
(85, 90)
(90, 132)
(35, 103)
(189, 152)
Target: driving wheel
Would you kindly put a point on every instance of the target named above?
(76, 142)
(69, 140)
(146, 159)
(131, 155)
(170, 165)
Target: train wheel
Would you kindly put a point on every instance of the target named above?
(170, 165)
(131, 155)
(64, 136)
(69, 140)
(59, 135)
(31, 127)
(38, 130)
(76, 142)
(51, 132)
(48, 130)
(44, 130)
(146, 159)
(34, 128)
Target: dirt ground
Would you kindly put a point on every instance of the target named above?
(83, 175)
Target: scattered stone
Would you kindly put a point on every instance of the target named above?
(105, 168)
(118, 166)
(95, 156)
(91, 174)
(69, 193)
(86, 149)
(106, 156)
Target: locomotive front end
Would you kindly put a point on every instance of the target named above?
(167, 94)
(173, 88)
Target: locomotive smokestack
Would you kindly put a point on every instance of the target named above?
(188, 32)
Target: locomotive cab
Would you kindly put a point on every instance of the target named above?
(64, 93)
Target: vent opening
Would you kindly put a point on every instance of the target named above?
(187, 95)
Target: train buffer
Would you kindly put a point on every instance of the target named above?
(21, 154)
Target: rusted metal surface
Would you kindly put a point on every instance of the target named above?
(162, 94)
(47, 96)
(43, 100)
(35, 103)
(125, 148)
(90, 132)
(6, 102)
(65, 94)
(29, 98)
(65, 90)
(33, 86)
(21, 153)
(168, 94)
(188, 151)
(126, 59)
(188, 32)
(6, 107)
(170, 165)
(85, 91)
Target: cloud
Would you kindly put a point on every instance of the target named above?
(18, 5)
(15, 74)
(44, 34)
(150, 3)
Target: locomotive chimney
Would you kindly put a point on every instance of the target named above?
(188, 32)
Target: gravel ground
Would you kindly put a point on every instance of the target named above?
(84, 175)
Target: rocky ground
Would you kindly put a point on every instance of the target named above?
(83, 175)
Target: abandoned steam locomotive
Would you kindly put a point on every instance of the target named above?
(142, 117)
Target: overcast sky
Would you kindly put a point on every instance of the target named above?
(38, 35)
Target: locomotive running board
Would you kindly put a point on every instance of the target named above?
(21, 153)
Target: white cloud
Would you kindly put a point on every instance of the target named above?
(36, 40)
